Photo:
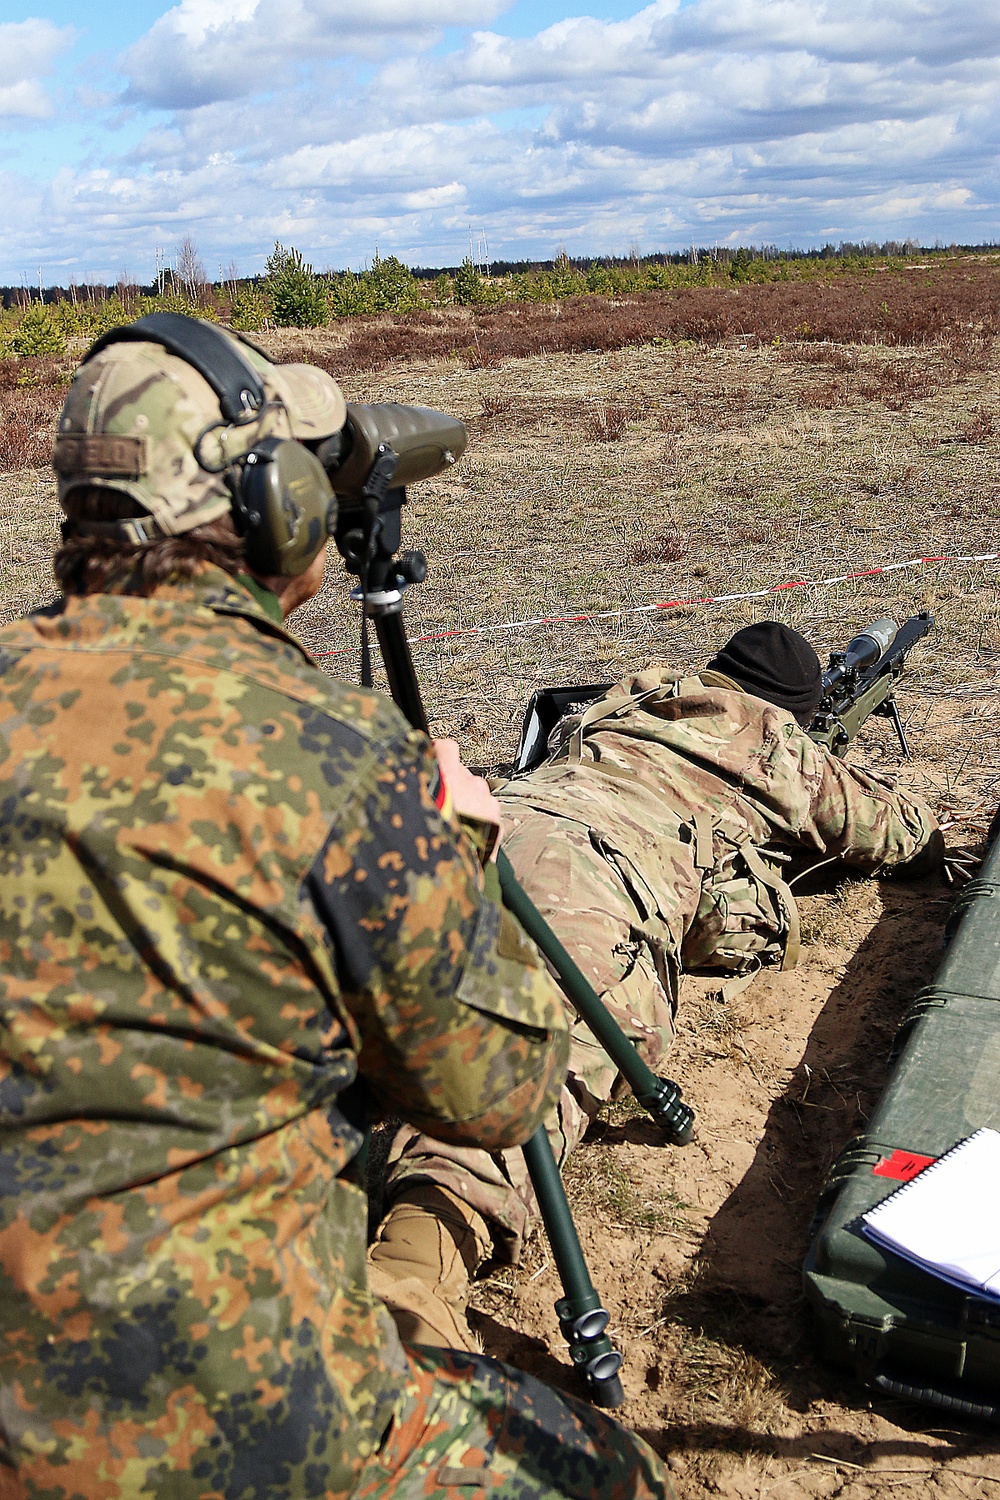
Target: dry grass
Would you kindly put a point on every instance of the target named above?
(597, 1183)
(750, 488)
(733, 469)
(832, 917)
(736, 1381)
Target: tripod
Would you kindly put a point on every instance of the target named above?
(368, 538)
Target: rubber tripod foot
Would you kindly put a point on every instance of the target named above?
(608, 1393)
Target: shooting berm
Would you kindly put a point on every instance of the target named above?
(597, 483)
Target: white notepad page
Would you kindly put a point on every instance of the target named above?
(948, 1218)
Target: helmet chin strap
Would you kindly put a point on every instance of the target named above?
(135, 530)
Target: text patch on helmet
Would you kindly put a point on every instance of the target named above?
(101, 454)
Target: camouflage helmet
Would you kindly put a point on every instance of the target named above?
(144, 422)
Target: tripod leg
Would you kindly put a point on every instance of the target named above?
(403, 685)
(581, 1317)
(660, 1097)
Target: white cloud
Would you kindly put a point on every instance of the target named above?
(201, 51)
(890, 30)
(27, 98)
(331, 128)
(27, 51)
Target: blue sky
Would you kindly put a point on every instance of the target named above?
(404, 124)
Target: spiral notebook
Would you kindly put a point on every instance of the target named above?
(947, 1218)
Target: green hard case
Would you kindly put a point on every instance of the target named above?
(902, 1330)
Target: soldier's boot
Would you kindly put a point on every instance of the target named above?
(428, 1246)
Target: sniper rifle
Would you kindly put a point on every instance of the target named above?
(861, 681)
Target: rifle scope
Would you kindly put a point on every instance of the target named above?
(424, 442)
(863, 651)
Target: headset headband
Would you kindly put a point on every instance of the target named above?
(233, 378)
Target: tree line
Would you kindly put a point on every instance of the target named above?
(291, 294)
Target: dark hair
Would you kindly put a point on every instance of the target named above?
(100, 564)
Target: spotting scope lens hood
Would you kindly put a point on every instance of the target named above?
(424, 442)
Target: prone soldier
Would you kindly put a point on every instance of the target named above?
(660, 833)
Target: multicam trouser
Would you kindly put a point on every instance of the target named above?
(470, 1428)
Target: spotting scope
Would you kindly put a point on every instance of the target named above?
(424, 442)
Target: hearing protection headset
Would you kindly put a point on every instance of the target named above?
(282, 502)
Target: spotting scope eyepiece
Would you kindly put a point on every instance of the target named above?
(424, 442)
(862, 652)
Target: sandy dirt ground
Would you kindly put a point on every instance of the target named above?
(603, 483)
(730, 472)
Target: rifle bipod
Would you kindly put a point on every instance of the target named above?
(369, 551)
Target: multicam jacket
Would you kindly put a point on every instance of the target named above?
(697, 795)
(226, 885)
(662, 834)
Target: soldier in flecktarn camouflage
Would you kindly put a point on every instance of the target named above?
(229, 886)
(660, 834)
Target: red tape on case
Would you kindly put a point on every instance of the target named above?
(902, 1166)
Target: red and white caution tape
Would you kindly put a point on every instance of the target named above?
(664, 604)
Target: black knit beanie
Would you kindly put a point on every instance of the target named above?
(776, 664)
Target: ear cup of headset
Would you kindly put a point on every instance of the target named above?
(283, 507)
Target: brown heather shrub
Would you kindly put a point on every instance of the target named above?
(27, 426)
(740, 489)
(980, 427)
(670, 452)
(752, 533)
(896, 385)
(823, 396)
(668, 546)
(954, 301)
(971, 348)
(608, 423)
(36, 372)
(496, 409)
(671, 420)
